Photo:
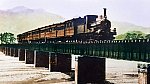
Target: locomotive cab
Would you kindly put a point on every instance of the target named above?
(89, 20)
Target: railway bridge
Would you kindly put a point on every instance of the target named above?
(136, 50)
(60, 55)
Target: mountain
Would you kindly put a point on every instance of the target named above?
(123, 27)
(21, 19)
(20, 9)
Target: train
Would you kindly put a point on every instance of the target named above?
(90, 27)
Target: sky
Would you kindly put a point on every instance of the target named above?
(131, 11)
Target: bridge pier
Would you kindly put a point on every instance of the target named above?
(15, 52)
(9, 51)
(5, 51)
(12, 52)
(1, 49)
(90, 70)
(29, 57)
(41, 59)
(60, 62)
(21, 54)
(143, 73)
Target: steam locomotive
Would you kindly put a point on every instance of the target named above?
(77, 29)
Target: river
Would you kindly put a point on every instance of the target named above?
(13, 71)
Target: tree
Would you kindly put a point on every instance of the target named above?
(147, 36)
(131, 35)
(7, 38)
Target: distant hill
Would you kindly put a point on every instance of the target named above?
(123, 27)
(21, 19)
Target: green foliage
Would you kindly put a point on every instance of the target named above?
(131, 35)
(7, 38)
(120, 37)
(147, 36)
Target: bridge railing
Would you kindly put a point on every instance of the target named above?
(137, 50)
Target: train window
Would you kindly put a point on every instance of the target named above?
(36, 32)
(40, 31)
(67, 24)
(70, 24)
(53, 29)
(50, 30)
(43, 30)
(59, 28)
(47, 30)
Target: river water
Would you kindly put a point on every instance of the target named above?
(13, 71)
(121, 71)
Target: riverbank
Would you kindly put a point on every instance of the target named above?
(13, 71)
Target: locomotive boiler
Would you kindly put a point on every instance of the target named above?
(76, 29)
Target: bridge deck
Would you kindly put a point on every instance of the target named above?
(137, 50)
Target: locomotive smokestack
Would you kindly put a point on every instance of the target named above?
(105, 16)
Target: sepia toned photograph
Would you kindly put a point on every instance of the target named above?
(74, 42)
